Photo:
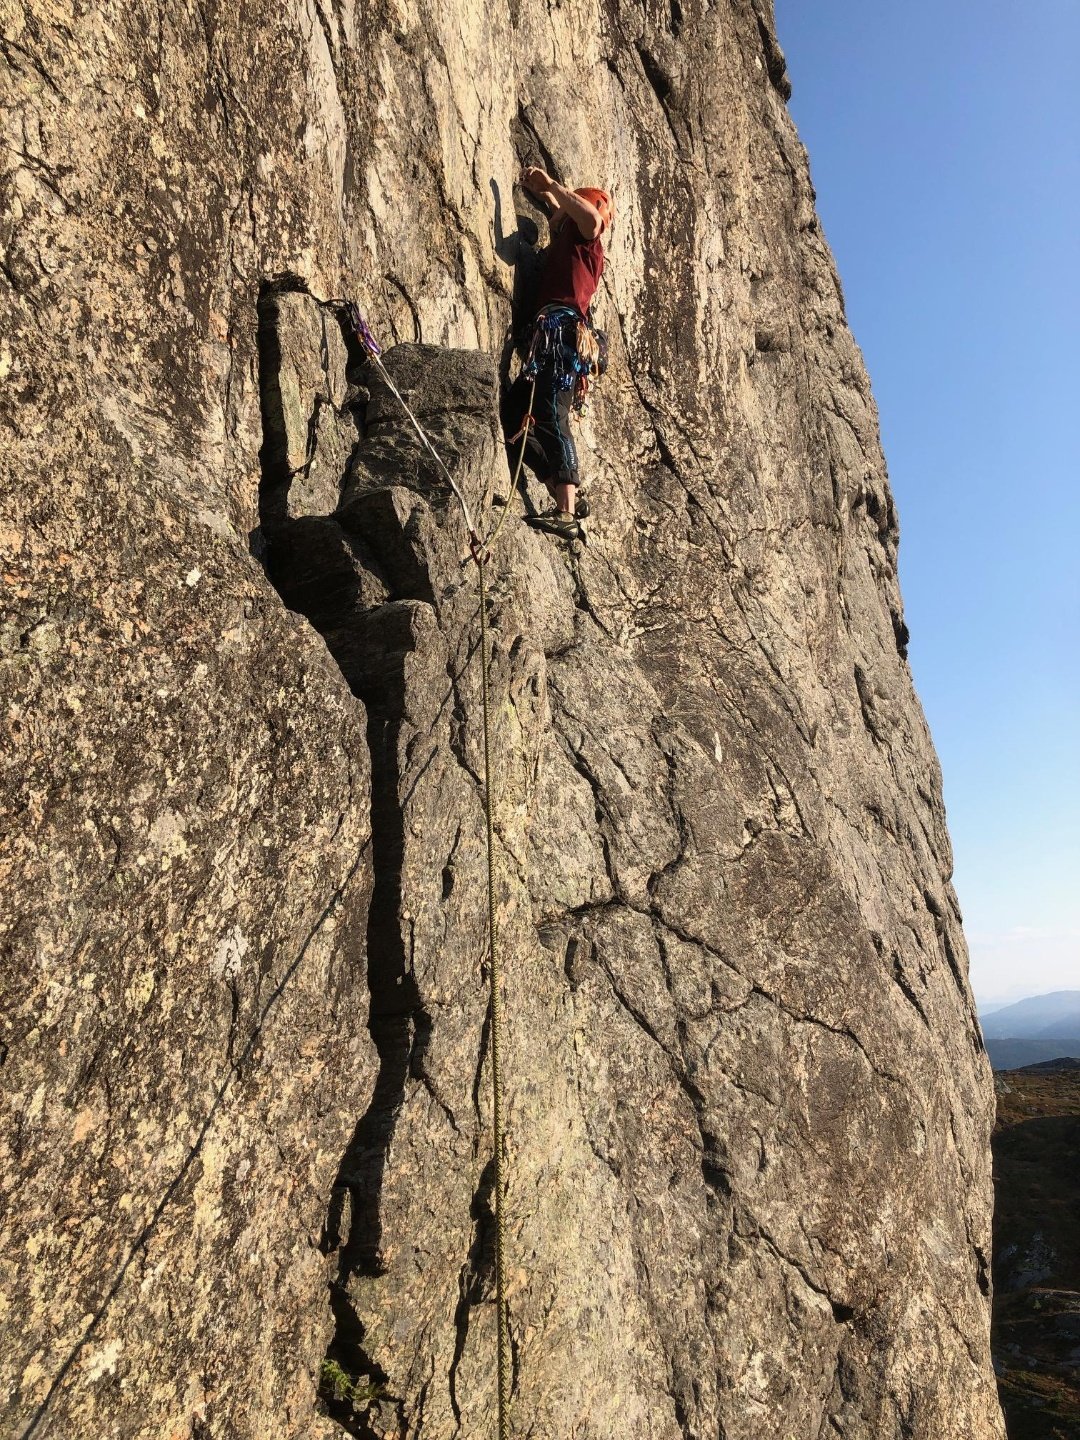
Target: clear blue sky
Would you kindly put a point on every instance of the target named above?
(944, 145)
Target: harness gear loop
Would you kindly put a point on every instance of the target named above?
(527, 424)
(480, 553)
(546, 347)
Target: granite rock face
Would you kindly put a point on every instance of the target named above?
(246, 1167)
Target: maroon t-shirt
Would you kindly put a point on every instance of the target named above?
(572, 269)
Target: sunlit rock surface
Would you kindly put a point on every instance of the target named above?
(245, 1165)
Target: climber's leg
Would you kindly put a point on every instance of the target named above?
(566, 475)
(553, 429)
(515, 408)
(550, 450)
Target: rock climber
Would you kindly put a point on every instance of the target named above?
(562, 344)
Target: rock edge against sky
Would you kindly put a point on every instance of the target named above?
(245, 1054)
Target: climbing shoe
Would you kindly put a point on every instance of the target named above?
(581, 505)
(557, 522)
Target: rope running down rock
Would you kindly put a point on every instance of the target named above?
(481, 553)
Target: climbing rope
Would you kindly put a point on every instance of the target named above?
(374, 350)
(481, 553)
(503, 1340)
(523, 436)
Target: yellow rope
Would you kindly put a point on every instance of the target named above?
(496, 1008)
(481, 554)
(517, 471)
(496, 1018)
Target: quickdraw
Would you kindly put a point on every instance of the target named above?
(526, 425)
(361, 330)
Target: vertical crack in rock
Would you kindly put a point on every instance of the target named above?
(371, 647)
(358, 574)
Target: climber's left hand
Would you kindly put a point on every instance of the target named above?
(536, 180)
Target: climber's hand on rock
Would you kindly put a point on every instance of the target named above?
(536, 180)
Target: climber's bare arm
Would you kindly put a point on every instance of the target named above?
(585, 216)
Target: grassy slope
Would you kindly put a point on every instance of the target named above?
(1037, 1253)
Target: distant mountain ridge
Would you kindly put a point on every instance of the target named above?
(1021, 1054)
(1039, 1017)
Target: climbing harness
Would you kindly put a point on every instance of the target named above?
(547, 349)
(480, 553)
(573, 368)
(592, 345)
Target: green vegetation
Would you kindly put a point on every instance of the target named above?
(335, 1383)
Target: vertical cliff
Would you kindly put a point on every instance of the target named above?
(246, 1173)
